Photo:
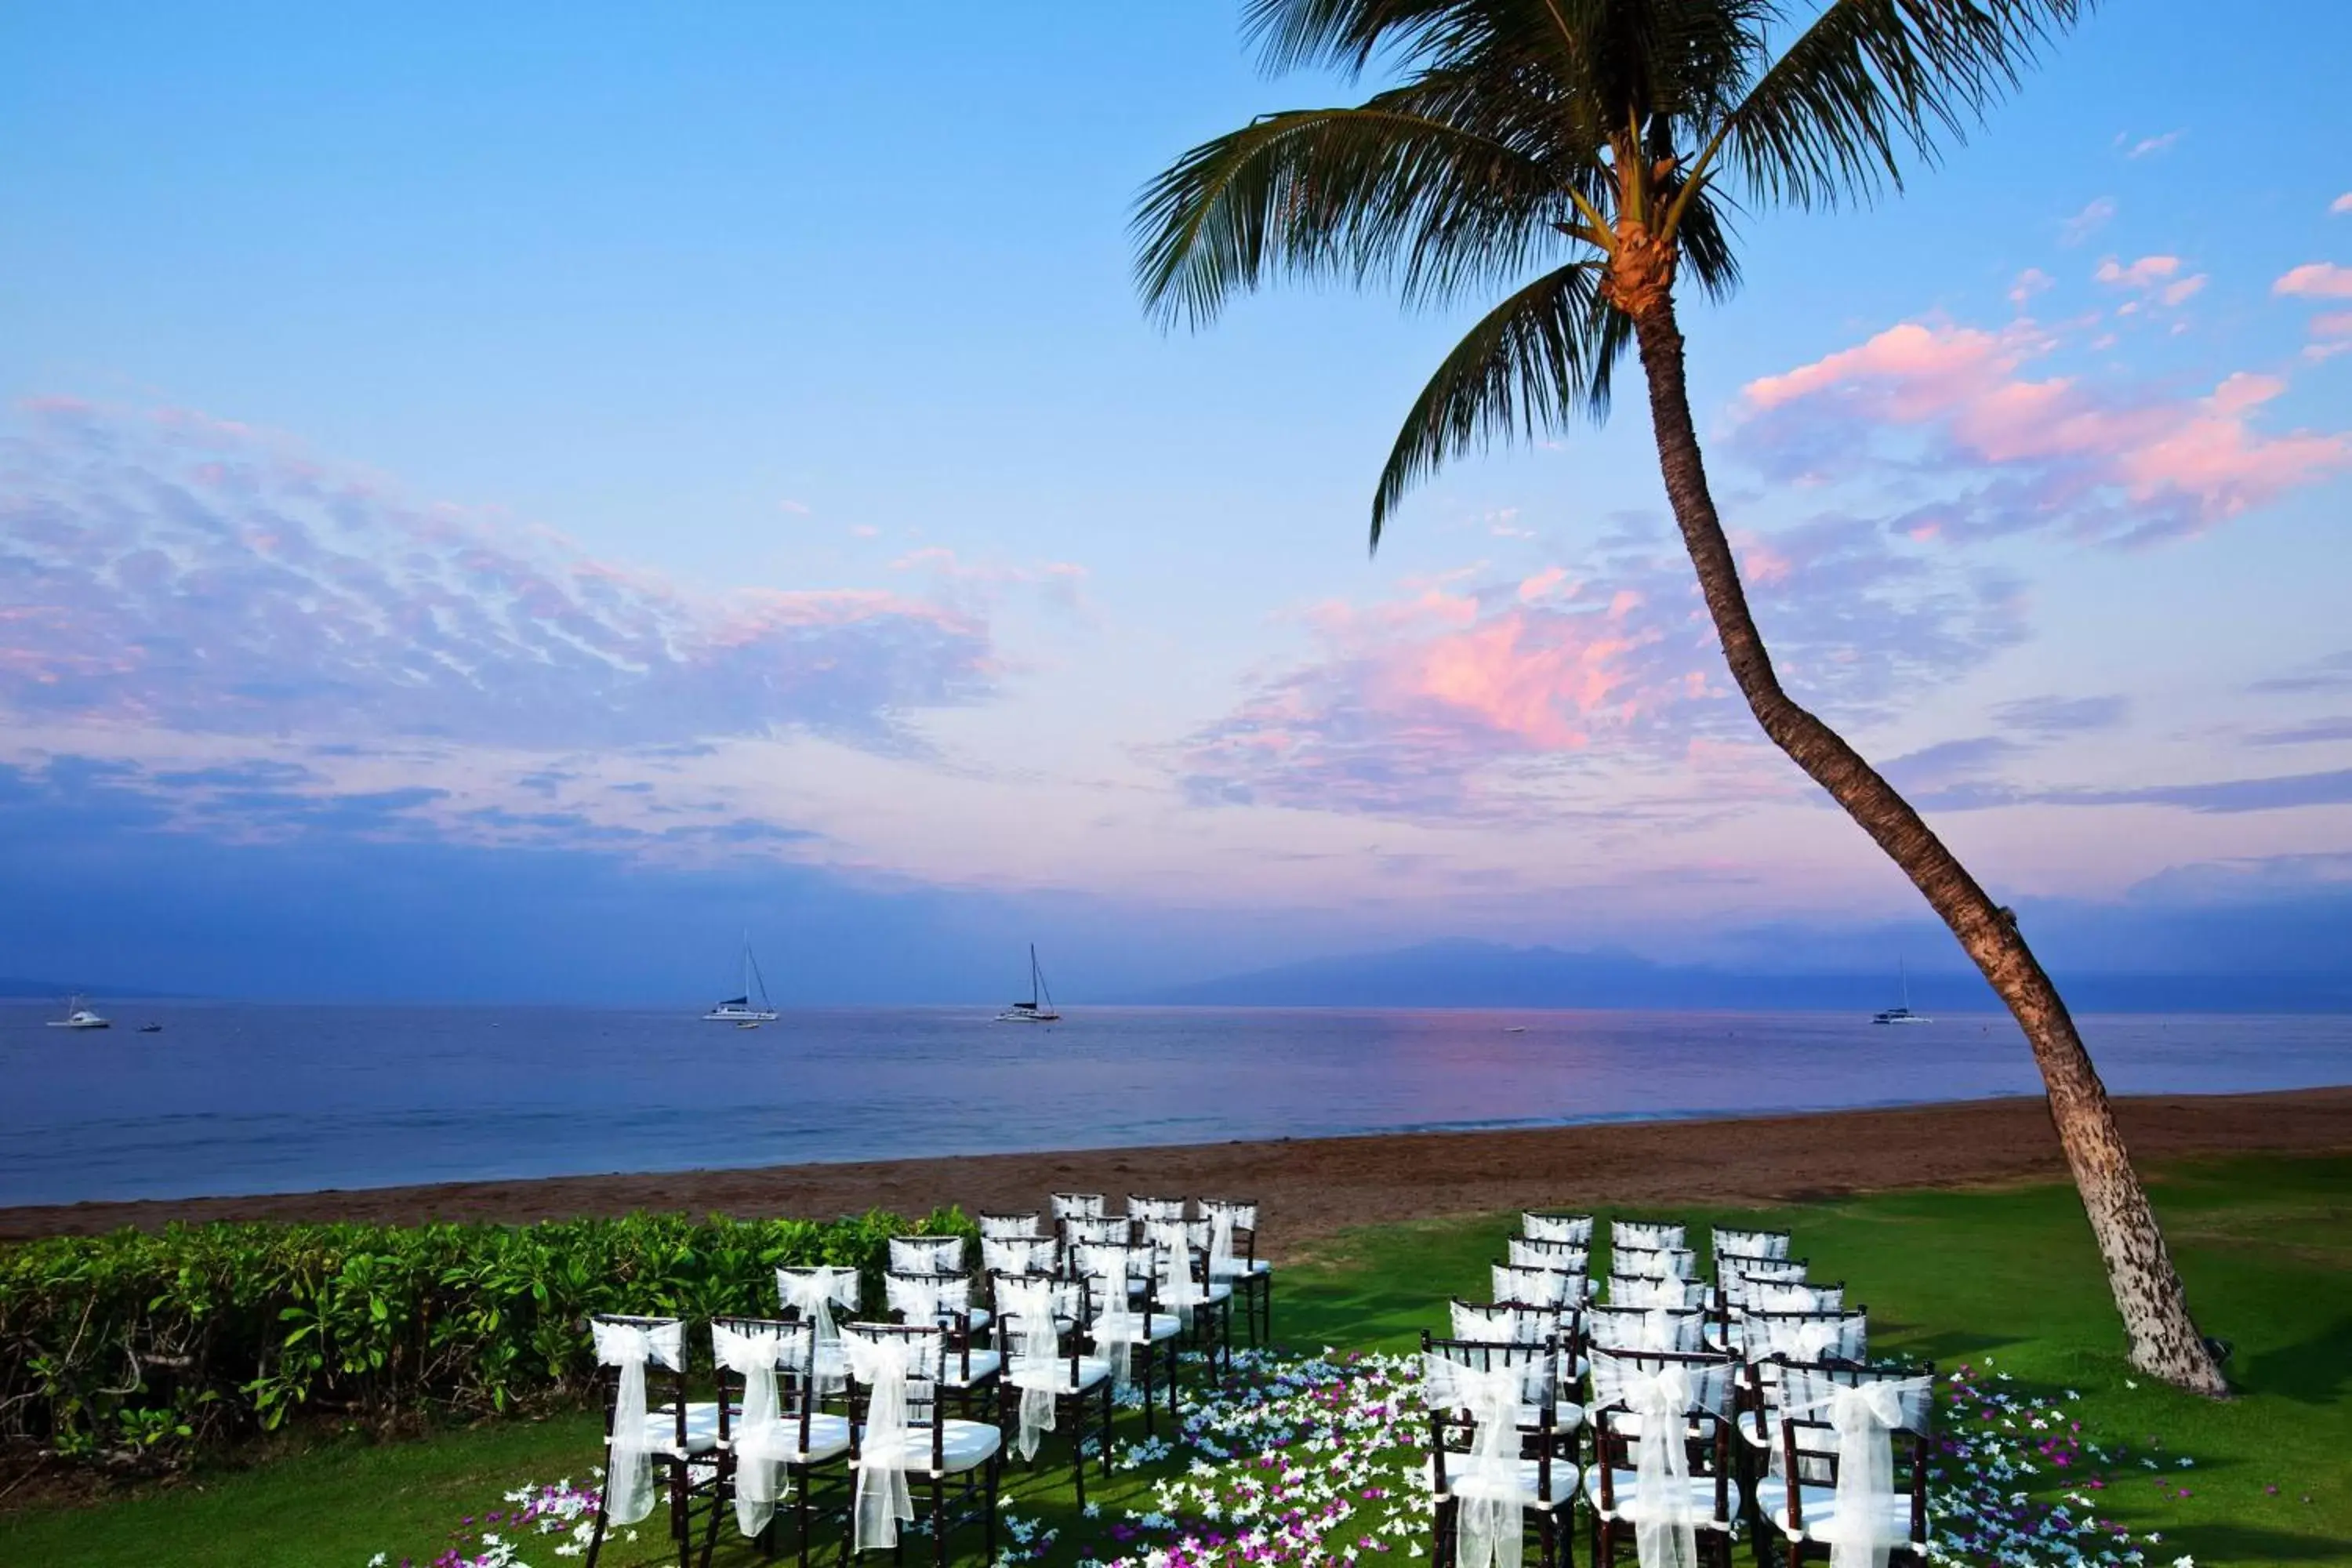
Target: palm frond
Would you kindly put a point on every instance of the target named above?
(1870, 80)
(1540, 356)
(1386, 189)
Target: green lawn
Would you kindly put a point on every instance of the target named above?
(1951, 1276)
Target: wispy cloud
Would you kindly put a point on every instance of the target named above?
(2027, 452)
(2147, 146)
(2157, 276)
(2093, 217)
(179, 572)
(2286, 792)
(2054, 716)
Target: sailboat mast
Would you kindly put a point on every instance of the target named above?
(1904, 969)
(1032, 975)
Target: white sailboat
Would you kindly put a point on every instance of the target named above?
(1902, 1015)
(738, 1010)
(81, 1018)
(1039, 1008)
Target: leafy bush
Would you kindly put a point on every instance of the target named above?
(151, 1345)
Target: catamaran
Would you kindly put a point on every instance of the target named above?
(81, 1018)
(738, 1010)
(1902, 1015)
(1039, 1008)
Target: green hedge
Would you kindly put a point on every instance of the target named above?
(159, 1344)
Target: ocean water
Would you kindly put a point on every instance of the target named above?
(243, 1099)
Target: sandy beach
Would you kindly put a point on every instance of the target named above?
(1312, 1187)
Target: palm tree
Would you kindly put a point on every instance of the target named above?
(1578, 157)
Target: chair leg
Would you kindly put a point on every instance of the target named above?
(1078, 1422)
(1148, 1353)
(939, 1525)
(719, 1489)
(596, 1538)
(1105, 1428)
(681, 1530)
(996, 1478)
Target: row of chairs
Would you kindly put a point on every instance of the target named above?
(1039, 1337)
(1670, 1406)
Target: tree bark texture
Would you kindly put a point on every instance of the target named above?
(2163, 1340)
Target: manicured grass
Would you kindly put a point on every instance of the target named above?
(1955, 1277)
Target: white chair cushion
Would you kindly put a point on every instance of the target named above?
(1759, 1429)
(962, 1446)
(1218, 1292)
(1819, 1505)
(980, 1318)
(1092, 1370)
(1565, 1417)
(1459, 1484)
(702, 1428)
(1164, 1326)
(1624, 1484)
(828, 1436)
(985, 1364)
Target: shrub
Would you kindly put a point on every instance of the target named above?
(155, 1345)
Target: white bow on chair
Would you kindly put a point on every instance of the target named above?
(629, 1467)
(883, 1497)
(1868, 1520)
(1665, 1519)
(813, 1293)
(1118, 1327)
(1491, 1521)
(1036, 1369)
(1221, 1264)
(1178, 1288)
(760, 1439)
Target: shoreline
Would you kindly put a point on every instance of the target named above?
(1311, 1187)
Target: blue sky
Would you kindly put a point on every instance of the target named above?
(494, 500)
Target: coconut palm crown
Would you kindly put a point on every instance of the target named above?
(1581, 160)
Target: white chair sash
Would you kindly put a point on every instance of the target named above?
(760, 1439)
(629, 1467)
(929, 1300)
(1801, 1339)
(883, 1498)
(1223, 1264)
(1870, 1518)
(1647, 1293)
(1535, 1287)
(813, 1293)
(1664, 1514)
(1575, 1228)
(1171, 1243)
(1491, 1521)
(1037, 1367)
(1638, 1234)
(1016, 1254)
(1776, 1298)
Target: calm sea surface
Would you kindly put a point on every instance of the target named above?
(239, 1099)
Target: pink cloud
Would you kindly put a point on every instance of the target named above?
(2146, 273)
(2316, 280)
(2048, 449)
(2030, 282)
(2341, 204)
(1442, 704)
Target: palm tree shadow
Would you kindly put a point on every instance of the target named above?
(2316, 1370)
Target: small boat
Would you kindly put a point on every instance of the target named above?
(738, 1010)
(1902, 1015)
(81, 1018)
(1515, 1028)
(151, 1028)
(1039, 1008)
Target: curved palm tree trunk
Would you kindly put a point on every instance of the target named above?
(2163, 1340)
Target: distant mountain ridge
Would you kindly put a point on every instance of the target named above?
(1486, 975)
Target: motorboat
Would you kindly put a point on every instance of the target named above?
(81, 1018)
